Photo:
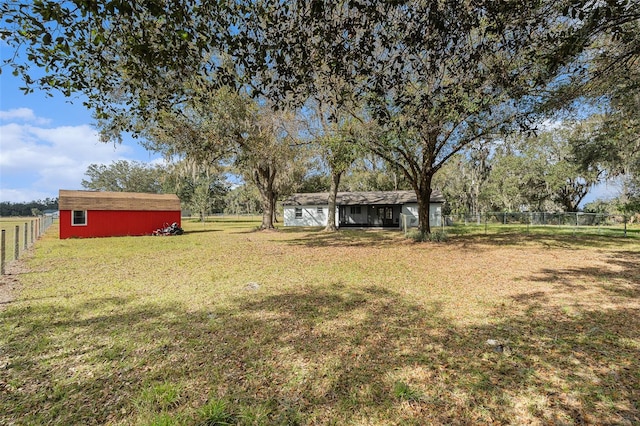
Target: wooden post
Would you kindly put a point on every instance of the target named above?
(16, 251)
(3, 251)
(26, 235)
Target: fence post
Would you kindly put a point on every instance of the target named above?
(16, 251)
(3, 252)
(32, 231)
(26, 235)
(625, 225)
(485, 222)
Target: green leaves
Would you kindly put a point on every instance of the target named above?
(124, 176)
(435, 75)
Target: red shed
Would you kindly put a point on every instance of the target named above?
(111, 214)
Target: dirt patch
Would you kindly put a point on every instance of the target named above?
(10, 282)
(8, 287)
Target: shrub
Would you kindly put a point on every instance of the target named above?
(215, 413)
(160, 397)
(404, 392)
(434, 237)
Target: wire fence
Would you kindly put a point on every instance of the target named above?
(540, 222)
(18, 235)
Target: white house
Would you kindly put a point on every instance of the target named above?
(361, 209)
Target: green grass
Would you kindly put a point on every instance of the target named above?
(8, 225)
(215, 413)
(632, 231)
(404, 392)
(224, 325)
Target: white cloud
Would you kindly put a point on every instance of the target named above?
(23, 114)
(24, 195)
(36, 161)
(549, 125)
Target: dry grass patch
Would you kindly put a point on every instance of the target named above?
(304, 327)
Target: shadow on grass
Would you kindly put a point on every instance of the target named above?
(620, 277)
(547, 240)
(201, 231)
(324, 355)
(226, 220)
(316, 237)
(311, 237)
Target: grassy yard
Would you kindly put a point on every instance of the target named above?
(224, 325)
(8, 224)
(618, 230)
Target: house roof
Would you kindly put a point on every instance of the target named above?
(360, 198)
(99, 200)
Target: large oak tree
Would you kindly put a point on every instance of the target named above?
(437, 75)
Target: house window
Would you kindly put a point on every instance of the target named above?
(298, 213)
(356, 210)
(319, 210)
(79, 217)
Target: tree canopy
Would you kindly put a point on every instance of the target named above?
(434, 77)
(125, 176)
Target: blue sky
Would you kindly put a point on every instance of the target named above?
(47, 143)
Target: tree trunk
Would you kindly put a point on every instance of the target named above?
(267, 211)
(274, 200)
(264, 178)
(333, 192)
(423, 213)
(423, 193)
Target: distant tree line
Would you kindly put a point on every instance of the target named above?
(32, 208)
(537, 173)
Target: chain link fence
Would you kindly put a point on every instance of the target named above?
(18, 234)
(535, 222)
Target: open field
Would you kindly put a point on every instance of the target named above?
(632, 230)
(8, 224)
(224, 325)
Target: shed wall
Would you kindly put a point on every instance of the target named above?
(108, 223)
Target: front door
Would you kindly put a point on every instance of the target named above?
(385, 216)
